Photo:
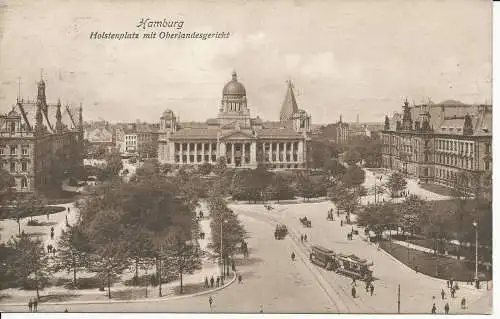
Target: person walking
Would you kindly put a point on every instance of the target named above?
(206, 282)
(212, 282)
(301, 238)
(452, 292)
(210, 302)
(240, 279)
(433, 310)
(442, 294)
(30, 305)
(462, 303)
(222, 281)
(446, 308)
(217, 282)
(305, 237)
(371, 289)
(293, 256)
(353, 292)
(35, 305)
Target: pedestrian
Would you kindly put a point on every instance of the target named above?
(371, 289)
(217, 282)
(353, 281)
(305, 237)
(35, 305)
(448, 283)
(30, 305)
(433, 310)
(68, 209)
(66, 310)
(48, 249)
(206, 282)
(452, 291)
(442, 294)
(54, 251)
(48, 216)
(446, 308)
(341, 223)
(240, 279)
(462, 303)
(233, 266)
(293, 256)
(212, 282)
(52, 235)
(353, 292)
(301, 238)
(367, 286)
(210, 302)
(222, 281)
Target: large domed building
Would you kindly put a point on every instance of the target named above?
(234, 135)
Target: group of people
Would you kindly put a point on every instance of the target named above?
(268, 207)
(303, 238)
(329, 216)
(244, 248)
(280, 231)
(51, 249)
(33, 305)
(210, 283)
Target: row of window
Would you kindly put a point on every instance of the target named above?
(191, 146)
(467, 163)
(13, 167)
(198, 158)
(13, 150)
(455, 146)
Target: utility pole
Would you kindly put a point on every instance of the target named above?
(399, 298)
(221, 262)
(476, 278)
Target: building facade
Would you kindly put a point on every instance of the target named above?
(234, 135)
(439, 142)
(40, 142)
(138, 138)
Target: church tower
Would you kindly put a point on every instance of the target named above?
(289, 107)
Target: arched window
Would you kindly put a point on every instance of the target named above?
(12, 127)
(24, 182)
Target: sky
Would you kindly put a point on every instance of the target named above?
(345, 57)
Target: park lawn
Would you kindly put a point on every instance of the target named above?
(10, 212)
(447, 267)
(438, 189)
(468, 252)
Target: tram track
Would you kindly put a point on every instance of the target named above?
(338, 296)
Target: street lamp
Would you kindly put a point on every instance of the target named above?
(222, 221)
(476, 278)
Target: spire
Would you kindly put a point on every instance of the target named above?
(59, 125)
(41, 92)
(289, 106)
(19, 89)
(39, 116)
(80, 117)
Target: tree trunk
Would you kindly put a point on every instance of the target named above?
(19, 226)
(74, 272)
(109, 285)
(180, 272)
(159, 278)
(36, 283)
(136, 270)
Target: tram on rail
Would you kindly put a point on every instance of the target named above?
(348, 265)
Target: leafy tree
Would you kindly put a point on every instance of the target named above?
(113, 166)
(354, 176)
(29, 261)
(306, 187)
(413, 212)
(280, 188)
(334, 168)
(321, 152)
(6, 182)
(220, 166)
(205, 168)
(183, 258)
(352, 157)
(396, 184)
(73, 252)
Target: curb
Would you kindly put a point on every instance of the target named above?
(127, 301)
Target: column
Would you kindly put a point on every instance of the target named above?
(300, 152)
(171, 158)
(291, 151)
(253, 153)
(232, 154)
(243, 151)
(195, 152)
(203, 153)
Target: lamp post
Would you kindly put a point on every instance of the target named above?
(222, 221)
(476, 278)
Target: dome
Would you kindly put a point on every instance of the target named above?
(234, 87)
(167, 114)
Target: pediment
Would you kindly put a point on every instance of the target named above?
(237, 135)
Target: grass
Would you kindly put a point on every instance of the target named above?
(128, 294)
(438, 189)
(446, 267)
(61, 297)
(10, 212)
(467, 252)
(190, 289)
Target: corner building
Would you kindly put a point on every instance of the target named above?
(234, 135)
(437, 142)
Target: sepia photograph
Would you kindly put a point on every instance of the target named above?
(246, 157)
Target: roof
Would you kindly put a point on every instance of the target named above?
(195, 133)
(278, 133)
(234, 87)
(289, 105)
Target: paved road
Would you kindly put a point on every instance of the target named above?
(417, 290)
(270, 279)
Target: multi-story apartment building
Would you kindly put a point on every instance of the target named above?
(40, 142)
(437, 142)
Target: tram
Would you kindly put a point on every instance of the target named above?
(348, 265)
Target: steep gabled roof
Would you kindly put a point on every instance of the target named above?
(289, 106)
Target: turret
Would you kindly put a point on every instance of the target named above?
(386, 123)
(59, 125)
